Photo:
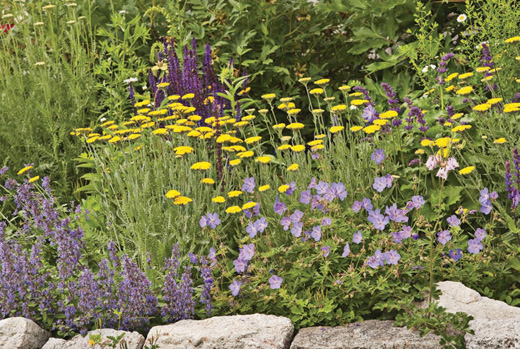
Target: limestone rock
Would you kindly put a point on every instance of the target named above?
(225, 332)
(21, 333)
(133, 340)
(370, 334)
(496, 324)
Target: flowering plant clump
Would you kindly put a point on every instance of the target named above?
(47, 277)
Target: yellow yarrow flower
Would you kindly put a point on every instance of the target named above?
(234, 193)
(461, 128)
(457, 116)
(235, 162)
(279, 126)
(358, 102)
(298, 148)
(356, 128)
(264, 187)
(233, 209)
(338, 108)
(263, 159)
(465, 90)
(315, 142)
(34, 179)
(467, 170)
(482, 107)
(419, 151)
(451, 76)
(371, 129)
(322, 82)
(249, 205)
(295, 126)
(188, 96)
(450, 88)
(219, 199)
(482, 69)
(335, 129)
(427, 143)
(207, 181)
(252, 140)
(284, 147)
(320, 136)
(269, 97)
(388, 114)
(203, 165)
(293, 112)
(494, 101)
(245, 154)
(181, 200)
(380, 122)
(161, 131)
(293, 167)
(283, 188)
(500, 141)
(513, 39)
(172, 194)
(465, 76)
(344, 88)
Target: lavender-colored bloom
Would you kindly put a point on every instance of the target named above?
(378, 156)
(392, 257)
(475, 246)
(369, 113)
(455, 254)
(453, 221)
(240, 265)
(367, 204)
(203, 221)
(406, 232)
(249, 184)
(486, 209)
(251, 229)
(442, 173)
(322, 188)
(378, 220)
(261, 224)
(417, 202)
(193, 258)
(357, 206)
(339, 191)
(432, 162)
(316, 233)
(235, 287)
(346, 250)
(326, 251)
(395, 214)
(275, 282)
(286, 223)
(444, 236)
(380, 184)
(247, 252)
(279, 207)
(358, 237)
(296, 230)
(452, 164)
(305, 197)
(296, 216)
(312, 183)
(292, 188)
(396, 237)
(480, 234)
(326, 221)
(3, 170)
(377, 260)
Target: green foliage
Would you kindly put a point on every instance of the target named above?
(47, 87)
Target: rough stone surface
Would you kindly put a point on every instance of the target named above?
(133, 340)
(363, 335)
(496, 324)
(226, 332)
(20, 333)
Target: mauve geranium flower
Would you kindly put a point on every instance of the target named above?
(275, 282)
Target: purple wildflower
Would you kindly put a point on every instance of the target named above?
(249, 184)
(358, 237)
(346, 250)
(235, 287)
(444, 236)
(326, 251)
(378, 156)
(275, 282)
